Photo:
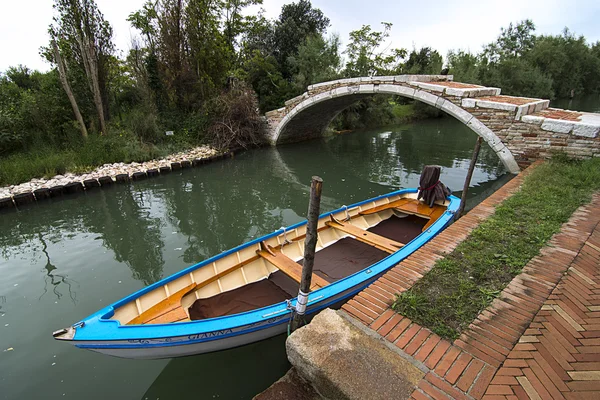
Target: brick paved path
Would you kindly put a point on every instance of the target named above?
(558, 357)
(539, 339)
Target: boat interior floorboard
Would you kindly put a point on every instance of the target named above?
(245, 298)
(337, 261)
(399, 229)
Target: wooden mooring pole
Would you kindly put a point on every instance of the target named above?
(310, 244)
(463, 198)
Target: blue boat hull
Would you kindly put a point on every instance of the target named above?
(102, 334)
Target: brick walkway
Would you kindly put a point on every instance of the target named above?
(536, 340)
(558, 357)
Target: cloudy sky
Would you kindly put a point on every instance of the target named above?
(443, 25)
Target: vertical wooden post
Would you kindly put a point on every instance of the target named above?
(310, 244)
(463, 198)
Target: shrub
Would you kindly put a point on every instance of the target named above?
(235, 119)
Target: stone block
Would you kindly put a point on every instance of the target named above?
(398, 90)
(425, 97)
(457, 112)
(342, 91)
(495, 105)
(343, 361)
(468, 103)
(532, 119)
(585, 130)
(366, 88)
(556, 125)
(429, 86)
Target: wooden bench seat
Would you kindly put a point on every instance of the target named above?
(380, 242)
(289, 266)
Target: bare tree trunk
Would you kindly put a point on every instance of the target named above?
(88, 54)
(65, 83)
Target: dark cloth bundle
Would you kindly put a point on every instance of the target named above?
(430, 187)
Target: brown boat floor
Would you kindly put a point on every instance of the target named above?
(343, 258)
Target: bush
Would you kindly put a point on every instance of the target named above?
(235, 119)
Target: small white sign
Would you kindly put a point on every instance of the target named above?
(169, 133)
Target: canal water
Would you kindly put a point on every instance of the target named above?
(62, 260)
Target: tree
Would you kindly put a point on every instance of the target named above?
(513, 41)
(62, 72)
(84, 41)
(296, 22)
(317, 60)
(206, 47)
(425, 61)
(464, 66)
(235, 22)
(365, 56)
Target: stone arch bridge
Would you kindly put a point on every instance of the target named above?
(520, 130)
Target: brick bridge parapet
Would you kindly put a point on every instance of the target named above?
(520, 130)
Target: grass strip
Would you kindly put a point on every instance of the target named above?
(451, 295)
(96, 151)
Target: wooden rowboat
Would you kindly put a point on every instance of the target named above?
(242, 295)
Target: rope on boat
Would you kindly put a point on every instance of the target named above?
(289, 306)
(285, 239)
(347, 215)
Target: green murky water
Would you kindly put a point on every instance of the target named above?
(589, 103)
(62, 260)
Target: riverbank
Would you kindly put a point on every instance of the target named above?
(535, 340)
(41, 188)
(451, 295)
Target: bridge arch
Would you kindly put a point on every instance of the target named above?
(308, 116)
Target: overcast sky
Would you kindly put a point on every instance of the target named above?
(443, 25)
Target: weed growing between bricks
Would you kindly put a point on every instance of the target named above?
(451, 295)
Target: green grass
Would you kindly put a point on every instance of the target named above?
(403, 112)
(49, 161)
(451, 295)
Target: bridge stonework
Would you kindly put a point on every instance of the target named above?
(520, 130)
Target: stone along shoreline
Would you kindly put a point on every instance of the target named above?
(14, 196)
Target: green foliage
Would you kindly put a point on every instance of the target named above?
(318, 60)
(365, 57)
(425, 61)
(449, 297)
(514, 41)
(523, 64)
(297, 22)
(464, 66)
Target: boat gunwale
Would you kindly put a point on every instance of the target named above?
(104, 326)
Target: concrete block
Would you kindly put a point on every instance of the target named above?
(556, 125)
(426, 97)
(343, 361)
